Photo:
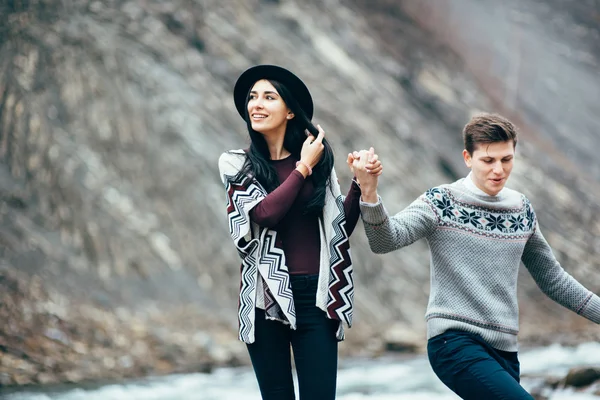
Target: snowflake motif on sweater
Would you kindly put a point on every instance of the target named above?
(480, 220)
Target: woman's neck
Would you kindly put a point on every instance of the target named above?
(276, 149)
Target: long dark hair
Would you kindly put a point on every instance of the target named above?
(257, 157)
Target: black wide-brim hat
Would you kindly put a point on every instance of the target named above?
(294, 84)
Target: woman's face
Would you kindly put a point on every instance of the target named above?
(266, 109)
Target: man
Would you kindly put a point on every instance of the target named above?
(478, 233)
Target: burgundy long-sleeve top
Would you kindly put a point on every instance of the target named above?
(297, 233)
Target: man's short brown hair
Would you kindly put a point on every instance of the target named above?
(488, 128)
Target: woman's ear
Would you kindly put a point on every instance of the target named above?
(290, 115)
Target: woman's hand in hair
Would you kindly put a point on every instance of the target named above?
(312, 149)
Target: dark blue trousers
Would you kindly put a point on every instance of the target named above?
(314, 344)
(473, 369)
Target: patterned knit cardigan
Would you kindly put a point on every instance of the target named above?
(265, 279)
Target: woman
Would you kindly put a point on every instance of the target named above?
(290, 225)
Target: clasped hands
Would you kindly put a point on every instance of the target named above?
(366, 167)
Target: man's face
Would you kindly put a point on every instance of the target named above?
(491, 165)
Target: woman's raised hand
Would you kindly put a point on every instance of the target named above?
(373, 165)
(312, 149)
(367, 168)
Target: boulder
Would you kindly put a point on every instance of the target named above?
(582, 376)
(401, 339)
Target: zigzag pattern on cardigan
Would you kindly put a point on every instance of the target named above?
(257, 256)
(278, 280)
(341, 283)
(247, 292)
(264, 274)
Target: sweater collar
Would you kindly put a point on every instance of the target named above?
(475, 190)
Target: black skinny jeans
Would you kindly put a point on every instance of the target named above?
(314, 344)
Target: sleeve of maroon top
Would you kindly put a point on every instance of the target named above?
(352, 207)
(273, 208)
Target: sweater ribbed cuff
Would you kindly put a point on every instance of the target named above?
(373, 214)
(592, 309)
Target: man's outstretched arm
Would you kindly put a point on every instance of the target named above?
(387, 233)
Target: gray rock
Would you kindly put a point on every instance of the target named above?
(583, 376)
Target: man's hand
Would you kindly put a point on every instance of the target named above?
(367, 168)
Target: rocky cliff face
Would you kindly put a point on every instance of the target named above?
(115, 256)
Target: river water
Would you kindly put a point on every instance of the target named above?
(381, 379)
